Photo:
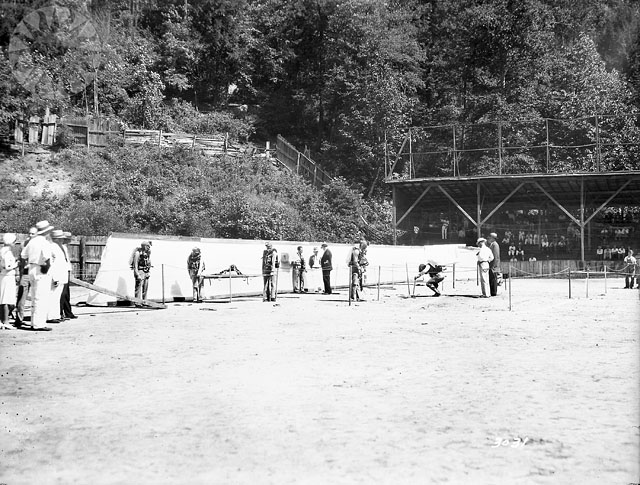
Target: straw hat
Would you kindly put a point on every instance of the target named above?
(9, 238)
(44, 227)
(57, 234)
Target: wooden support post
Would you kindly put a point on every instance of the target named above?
(88, 131)
(499, 148)
(605, 279)
(569, 282)
(378, 283)
(586, 284)
(598, 151)
(230, 289)
(546, 124)
(510, 280)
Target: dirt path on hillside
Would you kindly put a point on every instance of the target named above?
(455, 389)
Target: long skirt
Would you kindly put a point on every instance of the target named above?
(8, 289)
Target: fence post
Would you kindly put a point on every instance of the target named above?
(406, 265)
(82, 258)
(88, 130)
(163, 283)
(605, 279)
(378, 283)
(454, 275)
(569, 281)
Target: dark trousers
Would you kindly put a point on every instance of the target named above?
(326, 279)
(493, 283)
(65, 302)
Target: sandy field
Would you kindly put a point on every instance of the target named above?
(456, 389)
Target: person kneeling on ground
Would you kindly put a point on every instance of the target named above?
(435, 275)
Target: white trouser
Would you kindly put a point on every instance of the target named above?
(54, 304)
(40, 295)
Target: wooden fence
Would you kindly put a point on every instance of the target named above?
(209, 145)
(300, 164)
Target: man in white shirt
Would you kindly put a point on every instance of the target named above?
(38, 256)
(485, 256)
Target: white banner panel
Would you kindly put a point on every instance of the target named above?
(169, 265)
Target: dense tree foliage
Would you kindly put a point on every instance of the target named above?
(336, 75)
(178, 191)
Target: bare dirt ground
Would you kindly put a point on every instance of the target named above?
(455, 389)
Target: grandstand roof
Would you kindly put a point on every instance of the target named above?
(565, 188)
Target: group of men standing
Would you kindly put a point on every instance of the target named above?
(271, 265)
(42, 270)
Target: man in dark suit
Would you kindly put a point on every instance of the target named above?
(326, 263)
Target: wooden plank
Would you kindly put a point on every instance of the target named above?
(99, 289)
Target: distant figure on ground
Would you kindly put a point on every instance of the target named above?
(38, 254)
(298, 269)
(141, 269)
(8, 266)
(65, 299)
(315, 272)
(629, 269)
(23, 285)
(485, 256)
(326, 261)
(435, 275)
(270, 263)
(495, 275)
(445, 227)
(363, 262)
(195, 266)
(354, 270)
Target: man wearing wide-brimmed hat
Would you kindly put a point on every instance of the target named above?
(38, 256)
(59, 275)
(485, 256)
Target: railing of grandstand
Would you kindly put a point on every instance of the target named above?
(300, 164)
(597, 143)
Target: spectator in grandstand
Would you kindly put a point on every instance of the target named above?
(607, 253)
(326, 261)
(630, 269)
(484, 256)
(445, 227)
(196, 267)
(520, 253)
(38, 254)
(434, 271)
(23, 284)
(495, 274)
(8, 266)
(141, 265)
(298, 269)
(270, 264)
(512, 250)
